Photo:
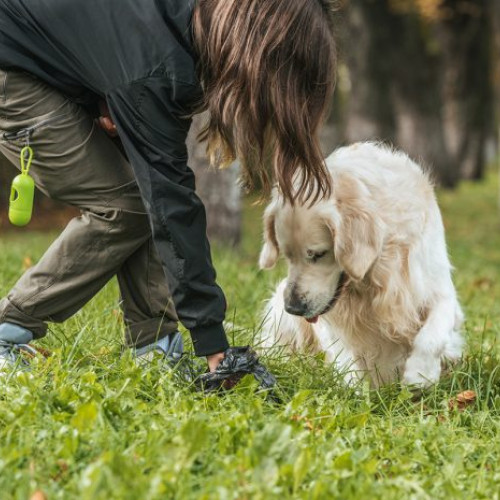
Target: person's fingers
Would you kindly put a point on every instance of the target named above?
(214, 360)
(105, 121)
(108, 126)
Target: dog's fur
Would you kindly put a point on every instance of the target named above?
(397, 315)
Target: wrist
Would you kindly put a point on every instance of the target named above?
(208, 340)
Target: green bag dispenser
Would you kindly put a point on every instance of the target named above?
(22, 193)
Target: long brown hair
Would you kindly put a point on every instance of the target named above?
(268, 71)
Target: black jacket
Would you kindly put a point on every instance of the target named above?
(138, 55)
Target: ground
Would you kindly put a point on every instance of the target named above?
(88, 424)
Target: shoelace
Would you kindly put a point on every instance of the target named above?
(13, 352)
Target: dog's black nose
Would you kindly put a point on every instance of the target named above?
(296, 311)
(294, 305)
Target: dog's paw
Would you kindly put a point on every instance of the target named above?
(422, 371)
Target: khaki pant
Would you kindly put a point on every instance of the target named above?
(77, 163)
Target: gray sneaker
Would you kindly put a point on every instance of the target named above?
(170, 350)
(11, 357)
(171, 347)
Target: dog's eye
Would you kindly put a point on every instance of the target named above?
(315, 256)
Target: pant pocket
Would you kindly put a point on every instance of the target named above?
(24, 135)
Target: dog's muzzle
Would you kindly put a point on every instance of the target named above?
(338, 292)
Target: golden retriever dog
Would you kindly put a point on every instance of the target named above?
(369, 279)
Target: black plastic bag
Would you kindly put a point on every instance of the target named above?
(237, 362)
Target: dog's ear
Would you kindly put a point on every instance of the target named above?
(358, 235)
(270, 250)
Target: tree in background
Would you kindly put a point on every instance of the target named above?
(421, 78)
(496, 57)
(464, 30)
(219, 190)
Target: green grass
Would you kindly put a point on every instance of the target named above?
(89, 424)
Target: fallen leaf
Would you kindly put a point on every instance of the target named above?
(462, 400)
(38, 495)
(40, 350)
(466, 397)
(27, 263)
(117, 313)
(309, 425)
(44, 352)
(483, 283)
(63, 468)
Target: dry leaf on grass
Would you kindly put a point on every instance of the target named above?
(307, 423)
(483, 283)
(38, 495)
(462, 400)
(44, 352)
(27, 263)
(63, 468)
(117, 313)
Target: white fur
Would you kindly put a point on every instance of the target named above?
(397, 316)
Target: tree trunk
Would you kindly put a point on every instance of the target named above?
(395, 95)
(219, 190)
(416, 93)
(465, 38)
(495, 16)
(370, 114)
(423, 82)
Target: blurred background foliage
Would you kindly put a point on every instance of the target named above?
(423, 75)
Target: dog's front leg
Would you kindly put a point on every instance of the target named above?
(432, 343)
(336, 351)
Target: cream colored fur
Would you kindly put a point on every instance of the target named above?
(397, 316)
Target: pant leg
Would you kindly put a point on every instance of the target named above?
(75, 162)
(146, 297)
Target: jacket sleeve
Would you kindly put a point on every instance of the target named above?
(150, 116)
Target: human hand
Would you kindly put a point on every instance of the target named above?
(213, 360)
(105, 121)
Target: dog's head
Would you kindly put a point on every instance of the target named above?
(325, 245)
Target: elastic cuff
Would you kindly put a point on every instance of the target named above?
(209, 340)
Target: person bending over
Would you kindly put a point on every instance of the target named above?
(263, 69)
